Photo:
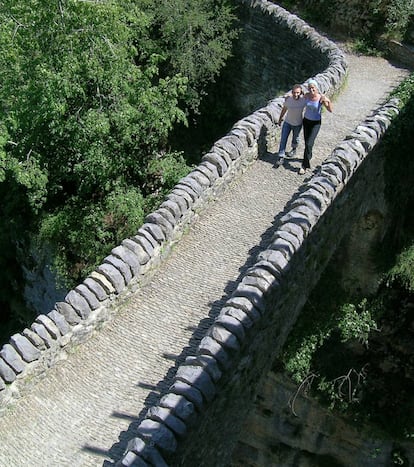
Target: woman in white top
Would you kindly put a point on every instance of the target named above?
(312, 120)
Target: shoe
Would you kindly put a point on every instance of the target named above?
(291, 153)
(282, 155)
(302, 171)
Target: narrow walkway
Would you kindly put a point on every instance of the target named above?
(81, 413)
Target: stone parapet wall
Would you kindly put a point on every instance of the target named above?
(275, 49)
(27, 355)
(347, 16)
(197, 421)
(213, 391)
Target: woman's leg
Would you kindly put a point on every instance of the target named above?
(295, 136)
(286, 128)
(310, 131)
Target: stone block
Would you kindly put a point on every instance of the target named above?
(36, 340)
(25, 348)
(78, 303)
(189, 392)
(238, 314)
(6, 372)
(264, 274)
(60, 322)
(88, 295)
(122, 267)
(49, 324)
(207, 362)
(112, 275)
(233, 325)
(283, 246)
(193, 185)
(41, 331)
(197, 377)
(310, 196)
(210, 346)
(293, 216)
(157, 219)
(131, 459)
(201, 178)
(209, 170)
(103, 281)
(224, 337)
(129, 257)
(184, 193)
(179, 201)
(10, 355)
(173, 208)
(335, 169)
(148, 235)
(242, 132)
(141, 247)
(258, 282)
(218, 161)
(179, 406)
(155, 231)
(148, 452)
(95, 287)
(248, 299)
(68, 313)
(254, 122)
(294, 230)
(158, 434)
(167, 215)
(165, 416)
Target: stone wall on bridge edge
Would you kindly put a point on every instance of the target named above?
(191, 422)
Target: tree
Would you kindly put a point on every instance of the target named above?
(90, 92)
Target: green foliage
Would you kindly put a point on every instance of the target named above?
(366, 47)
(85, 107)
(397, 15)
(346, 320)
(162, 174)
(298, 356)
(195, 39)
(356, 322)
(328, 353)
(404, 91)
(343, 391)
(403, 270)
(90, 94)
(81, 233)
(386, 18)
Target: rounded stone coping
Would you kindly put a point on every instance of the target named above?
(89, 302)
(197, 381)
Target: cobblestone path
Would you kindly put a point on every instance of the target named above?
(82, 413)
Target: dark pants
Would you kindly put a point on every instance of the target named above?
(310, 131)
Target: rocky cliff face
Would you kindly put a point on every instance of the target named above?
(287, 428)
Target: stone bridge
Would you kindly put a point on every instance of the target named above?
(156, 358)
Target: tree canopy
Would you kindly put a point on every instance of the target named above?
(90, 91)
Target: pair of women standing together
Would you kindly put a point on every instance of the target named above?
(313, 102)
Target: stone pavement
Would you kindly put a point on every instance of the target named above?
(83, 412)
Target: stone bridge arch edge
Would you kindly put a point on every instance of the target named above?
(261, 291)
(129, 264)
(93, 302)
